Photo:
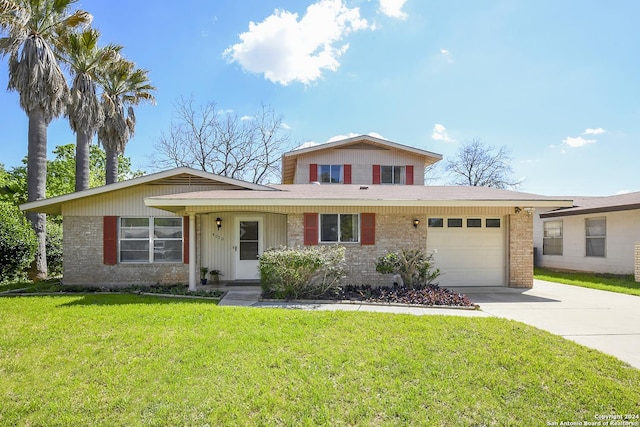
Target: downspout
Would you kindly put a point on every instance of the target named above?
(192, 252)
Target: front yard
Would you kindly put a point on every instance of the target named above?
(604, 282)
(139, 360)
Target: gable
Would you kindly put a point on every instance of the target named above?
(107, 197)
(363, 150)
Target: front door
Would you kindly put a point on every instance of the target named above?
(248, 248)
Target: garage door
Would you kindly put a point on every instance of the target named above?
(468, 251)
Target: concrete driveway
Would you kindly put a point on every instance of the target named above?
(605, 321)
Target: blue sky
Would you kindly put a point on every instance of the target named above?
(555, 81)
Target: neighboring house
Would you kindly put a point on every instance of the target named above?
(364, 193)
(597, 234)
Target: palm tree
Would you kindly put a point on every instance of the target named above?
(123, 85)
(33, 29)
(85, 112)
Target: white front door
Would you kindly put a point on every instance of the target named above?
(248, 247)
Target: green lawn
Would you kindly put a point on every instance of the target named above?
(132, 360)
(606, 282)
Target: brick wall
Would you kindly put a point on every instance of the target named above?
(393, 232)
(520, 259)
(83, 260)
(637, 262)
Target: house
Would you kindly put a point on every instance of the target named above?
(365, 193)
(596, 234)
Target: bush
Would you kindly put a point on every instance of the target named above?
(17, 242)
(54, 248)
(302, 273)
(414, 267)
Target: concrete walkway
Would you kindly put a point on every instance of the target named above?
(601, 320)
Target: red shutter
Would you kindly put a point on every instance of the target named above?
(110, 240)
(310, 228)
(376, 174)
(409, 171)
(185, 239)
(347, 174)
(313, 172)
(368, 228)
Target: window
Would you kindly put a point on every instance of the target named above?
(330, 174)
(150, 240)
(474, 223)
(492, 222)
(435, 222)
(339, 228)
(392, 174)
(454, 222)
(596, 233)
(552, 238)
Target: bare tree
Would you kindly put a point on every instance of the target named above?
(220, 142)
(477, 164)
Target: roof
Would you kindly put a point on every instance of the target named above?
(590, 205)
(357, 195)
(356, 142)
(178, 176)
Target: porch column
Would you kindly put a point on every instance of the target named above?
(192, 252)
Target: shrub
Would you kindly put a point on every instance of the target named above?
(17, 242)
(414, 266)
(302, 273)
(54, 248)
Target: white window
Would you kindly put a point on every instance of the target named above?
(339, 228)
(331, 174)
(552, 238)
(392, 174)
(596, 235)
(144, 240)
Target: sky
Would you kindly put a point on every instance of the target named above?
(557, 82)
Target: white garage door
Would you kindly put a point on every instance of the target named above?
(468, 251)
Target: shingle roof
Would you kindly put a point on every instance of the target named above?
(353, 195)
(587, 205)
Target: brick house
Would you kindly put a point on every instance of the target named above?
(364, 193)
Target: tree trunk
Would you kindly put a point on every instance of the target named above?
(37, 186)
(111, 171)
(83, 140)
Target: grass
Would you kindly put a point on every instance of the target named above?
(623, 284)
(136, 360)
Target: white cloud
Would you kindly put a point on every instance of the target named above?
(246, 118)
(577, 141)
(446, 53)
(393, 8)
(590, 131)
(286, 49)
(440, 134)
(285, 126)
(306, 145)
(351, 135)
(337, 138)
(620, 192)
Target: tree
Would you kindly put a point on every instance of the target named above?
(246, 148)
(33, 32)
(84, 56)
(123, 85)
(479, 165)
(17, 242)
(61, 174)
